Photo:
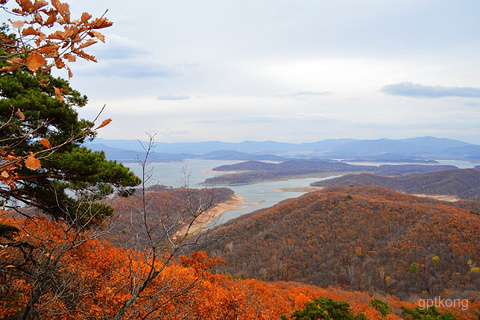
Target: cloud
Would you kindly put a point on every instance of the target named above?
(306, 94)
(118, 47)
(131, 69)
(416, 90)
(173, 97)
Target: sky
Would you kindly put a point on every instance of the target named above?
(284, 70)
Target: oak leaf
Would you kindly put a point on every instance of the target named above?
(50, 49)
(30, 31)
(52, 18)
(18, 24)
(104, 123)
(59, 64)
(45, 143)
(85, 17)
(63, 9)
(87, 43)
(26, 5)
(31, 162)
(101, 23)
(35, 62)
(97, 35)
(58, 94)
(70, 57)
(20, 114)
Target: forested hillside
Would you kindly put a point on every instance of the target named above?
(92, 280)
(364, 238)
(460, 183)
(162, 205)
(81, 237)
(255, 171)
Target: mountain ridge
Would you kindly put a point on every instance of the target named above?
(460, 183)
(411, 149)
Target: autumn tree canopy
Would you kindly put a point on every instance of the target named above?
(43, 163)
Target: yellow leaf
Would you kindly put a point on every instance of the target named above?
(45, 143)
(104, 123)
(35, 61)
(5, 174)
(20, 114)
(31, 162)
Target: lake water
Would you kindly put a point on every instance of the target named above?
(259, 195)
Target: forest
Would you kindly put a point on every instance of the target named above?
(83, 237)
(362, 238)
(459, 183)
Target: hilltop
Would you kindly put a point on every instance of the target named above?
(254, 171)
(460, 183)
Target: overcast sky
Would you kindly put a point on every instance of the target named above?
(285, 70)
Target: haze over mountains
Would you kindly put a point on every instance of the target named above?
(411, 149)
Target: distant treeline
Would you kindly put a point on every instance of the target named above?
(255, 171)
(461, 183)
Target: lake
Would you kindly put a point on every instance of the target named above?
(193, 172)
(261, 195)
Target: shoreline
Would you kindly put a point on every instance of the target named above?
(300, 189)
(235, 202)
(281, 178)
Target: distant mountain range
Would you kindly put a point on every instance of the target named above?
(402, 150)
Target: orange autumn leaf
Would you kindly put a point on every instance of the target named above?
(58, 94)
(101, 23)
(97, 35)
(70, 57)
(104, 123)
(63, 9)
(85, 17)
(18, 24)
(31, 162)
(20, 114)
(30, 31)
(45, 143)
(87, 43)
(35, 62)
